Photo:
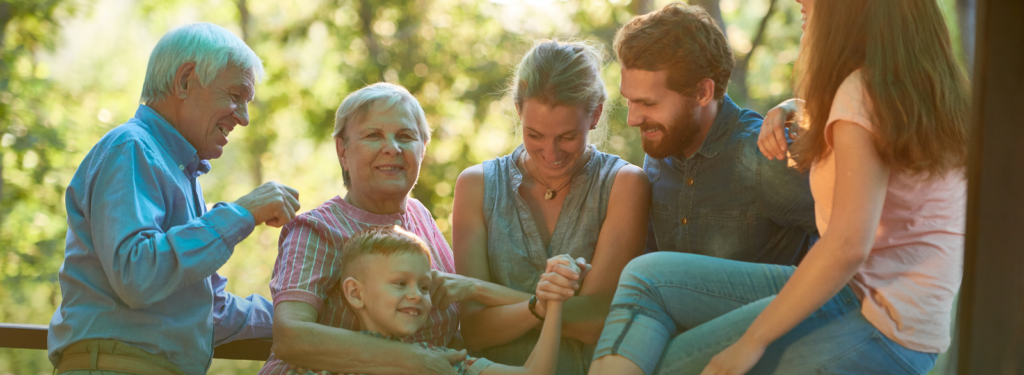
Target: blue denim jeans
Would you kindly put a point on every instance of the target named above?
(673, 312)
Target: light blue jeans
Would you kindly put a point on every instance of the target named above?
(673, 312)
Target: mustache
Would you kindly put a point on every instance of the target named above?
(649, 125)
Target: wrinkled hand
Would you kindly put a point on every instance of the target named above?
(271, 203)
(772, 140)
(561, 279)
(432, 362)
(446, 288)
(737, 359)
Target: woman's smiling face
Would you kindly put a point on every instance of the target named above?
(805, 12)
(383, 152)
(555, 136)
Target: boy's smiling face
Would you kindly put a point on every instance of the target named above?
(391, 296)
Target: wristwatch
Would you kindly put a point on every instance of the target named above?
(533, 307)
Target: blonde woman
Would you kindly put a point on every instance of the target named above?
(555, 194)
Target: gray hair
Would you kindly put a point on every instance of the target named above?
(357, 105)
(563, 73)
(209, 46)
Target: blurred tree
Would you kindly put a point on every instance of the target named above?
(456, 56)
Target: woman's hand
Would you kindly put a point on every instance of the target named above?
(772, 140)
(737, 359)
(447, 288)
(561, 280)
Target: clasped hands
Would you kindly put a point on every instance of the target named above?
(561, 278)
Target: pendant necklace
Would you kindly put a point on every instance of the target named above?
(550, 193)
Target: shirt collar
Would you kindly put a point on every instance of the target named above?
(721, 128)
(180, 150)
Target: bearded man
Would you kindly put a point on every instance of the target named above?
(713, 192)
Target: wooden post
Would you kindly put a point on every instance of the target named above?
(991, 335)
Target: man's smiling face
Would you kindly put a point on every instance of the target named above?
(210, 113)
(665, 117)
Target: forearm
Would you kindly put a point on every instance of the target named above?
(583, 317)
(237, 318)
(491, 294)
(822, 274)
(145, 264)
(485, 327)
(544, 357)
(341, 351)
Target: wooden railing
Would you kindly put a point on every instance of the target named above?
(33, 336)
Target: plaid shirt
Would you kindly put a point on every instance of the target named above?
(308, 267)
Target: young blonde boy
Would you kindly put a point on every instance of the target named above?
(386, 280)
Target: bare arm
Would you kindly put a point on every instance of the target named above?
(300, 341)
(860, 186)
(622, 238)
(552, 291)
(483, 327)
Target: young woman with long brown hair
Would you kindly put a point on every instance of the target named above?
(884, 136)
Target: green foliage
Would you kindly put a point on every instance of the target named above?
(60, 91)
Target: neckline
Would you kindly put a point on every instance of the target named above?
(538, 252)
(370, 217)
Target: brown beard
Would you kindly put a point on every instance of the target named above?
(677, 137)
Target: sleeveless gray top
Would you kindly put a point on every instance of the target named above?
(516, 254)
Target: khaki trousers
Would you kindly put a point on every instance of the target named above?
(112, 357)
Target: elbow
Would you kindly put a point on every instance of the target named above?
(134, 296)
(286, 341)
(474, 343)
(591, 338)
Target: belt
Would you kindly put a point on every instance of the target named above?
(110, 362)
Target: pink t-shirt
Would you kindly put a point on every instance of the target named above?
(907, 284)
(308, 267)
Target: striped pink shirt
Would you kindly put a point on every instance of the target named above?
(308, 266)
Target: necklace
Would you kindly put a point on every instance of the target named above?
(550, 193)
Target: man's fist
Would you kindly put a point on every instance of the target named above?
(271, 203)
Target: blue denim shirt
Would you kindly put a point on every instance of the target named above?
(142, 251)
(728, 201)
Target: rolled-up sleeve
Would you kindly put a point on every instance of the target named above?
(308, 263)
(145, 261)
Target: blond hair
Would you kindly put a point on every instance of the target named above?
(385, 241)
(563, 73)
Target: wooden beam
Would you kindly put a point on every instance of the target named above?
(33, 336)
(991, 334)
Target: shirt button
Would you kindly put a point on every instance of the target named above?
(398, 222)
(181, 167)
(689, 181)
(684, 221)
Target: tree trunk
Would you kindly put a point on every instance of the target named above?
(5, 16)
(966, 14)
(713, 9)
(739, 74)
(257, 141)
(366, 16)
(641, 7)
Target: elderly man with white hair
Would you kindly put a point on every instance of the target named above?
(141, 293)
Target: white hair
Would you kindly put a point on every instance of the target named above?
(209, 46)
(357, 105)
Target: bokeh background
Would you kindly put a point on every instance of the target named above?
(71, 70)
